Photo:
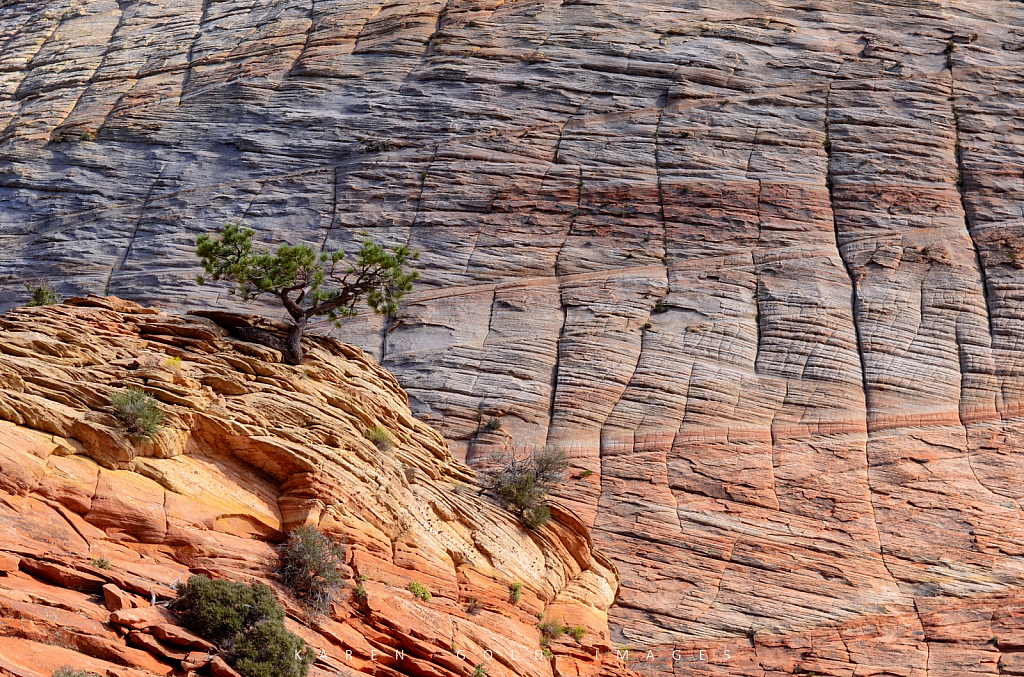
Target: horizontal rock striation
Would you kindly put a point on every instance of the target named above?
(94, 522)
(756, 265)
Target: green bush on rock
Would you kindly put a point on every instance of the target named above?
(138, 411)
(42, 295)
(311, 566)
(246, 622)
(420, 590)
(521, 483)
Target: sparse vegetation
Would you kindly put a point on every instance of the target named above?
(138, 411)
(493, 424)
(551, 629)
(69, 671)
(515, 592)
(480, 670)
(359, 592)
(659, 307)
(586, 473)
(379, 437)
(308, 284)
(577, 632)
(521, 483)
(311, 566)
(473, 606)
(246, 623)
(100, 562)
(173, 363)
(42, 294)
(420, 590)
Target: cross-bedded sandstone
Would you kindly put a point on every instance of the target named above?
(757, 265)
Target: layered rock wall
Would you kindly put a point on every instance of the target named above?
(251, 448)
(756, 265)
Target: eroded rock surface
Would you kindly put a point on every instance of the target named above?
(757, 265)
(95, 526)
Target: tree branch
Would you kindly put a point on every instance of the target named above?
(293, 309)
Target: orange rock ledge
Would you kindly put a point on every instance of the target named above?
(251, 448)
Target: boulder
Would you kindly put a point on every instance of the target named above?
(116, 599)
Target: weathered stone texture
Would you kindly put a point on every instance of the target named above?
(229, 473)
(756, 265)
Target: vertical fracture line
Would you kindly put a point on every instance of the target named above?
(854, 299)
(960, 181)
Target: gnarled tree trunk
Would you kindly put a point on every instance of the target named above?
(291, 350)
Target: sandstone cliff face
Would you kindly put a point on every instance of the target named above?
(810, 457)
(252, 448)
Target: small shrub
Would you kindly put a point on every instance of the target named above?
(379, 437)
(515, 592)
(247, 625)
(536, 516)
(42, 295)
(551, 629)
(522, 483)
(68, 671)
(480, 670)
(359, 592)
(420, 590)
(473, 606)
(493, 424)
(586, 473)
(311, 567)
(660, 307)
(578, 632)
(269, 650)
(218, 610)
(100, 562)
(547, 653)
(138, 411)
(173, 363)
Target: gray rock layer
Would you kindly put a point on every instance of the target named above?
(756, 264)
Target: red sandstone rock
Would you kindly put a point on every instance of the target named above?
(220, 668)
(115, 598)
(824, 422)
(196, 660)
(61, 575)
(33, 659)
(9, 563)
(179, 636)
(252, 465)
(142, 618)
(155, 646)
